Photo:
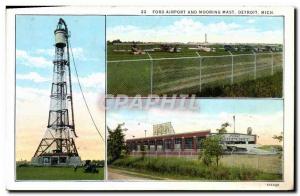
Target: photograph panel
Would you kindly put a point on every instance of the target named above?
(206, 56)
(219, 140)
(60, 81)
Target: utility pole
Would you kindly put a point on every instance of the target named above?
(200, 70)
(254, 65)
(233, 123)
(151, 74)
(272, 64)
(231, 67)
(145, 133)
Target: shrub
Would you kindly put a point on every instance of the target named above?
(190, 168)
(269, 86)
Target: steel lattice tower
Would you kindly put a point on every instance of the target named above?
(57, 146)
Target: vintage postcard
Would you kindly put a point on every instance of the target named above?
(150, 98)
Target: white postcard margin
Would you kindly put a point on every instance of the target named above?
(288, 182)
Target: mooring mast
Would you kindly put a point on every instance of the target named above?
(57, 146)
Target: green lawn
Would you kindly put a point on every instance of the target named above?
(56, 173)
(269, 86)
(129, 79)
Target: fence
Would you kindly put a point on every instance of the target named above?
(188, 74)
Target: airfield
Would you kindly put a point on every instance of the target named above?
(188, 71)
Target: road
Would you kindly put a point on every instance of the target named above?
(118, 174)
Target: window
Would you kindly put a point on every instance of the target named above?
(62, 159)
(54, 160)
(151, 142)
(188, 143)
(46, 159)
(134, 146)
(168, 144)
(159, 142)
(177, 145)
(159, 145)
(178, 141)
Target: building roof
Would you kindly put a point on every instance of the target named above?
(176, 135)
(232, 134)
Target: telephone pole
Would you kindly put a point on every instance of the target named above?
(233, 123)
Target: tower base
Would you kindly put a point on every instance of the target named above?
(56, 160)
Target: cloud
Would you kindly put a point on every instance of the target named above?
(24, 58)
(46, 52)
(32, 76)
(93, 89)
(96, 80)
(250, 21)
(42, 58)
(30, 94)
(189, 30)
(78, 52)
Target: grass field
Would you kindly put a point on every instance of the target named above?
(56, 173)
(265, 163)
(189, 169)
(183, 76)
(269, 86)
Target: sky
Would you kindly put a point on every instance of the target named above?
(264, 116)
(219, 29)
(34, 56)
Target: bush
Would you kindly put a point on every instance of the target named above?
(269, 86)
(190, 168)
(212, 149)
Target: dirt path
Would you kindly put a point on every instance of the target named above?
(119, 174)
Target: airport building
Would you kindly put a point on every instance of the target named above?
(189, 143)
(171, 142)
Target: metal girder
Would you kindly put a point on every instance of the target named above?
(60, 123)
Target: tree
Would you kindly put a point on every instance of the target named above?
(223, 128)
(116, 41)
(278, 137)
(115, 143)
(212, 149)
